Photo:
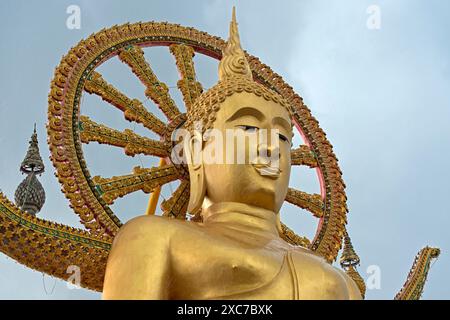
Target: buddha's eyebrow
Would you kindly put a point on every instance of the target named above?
(283, 123)
(247, 111)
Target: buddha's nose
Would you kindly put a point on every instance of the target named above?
(268, 152)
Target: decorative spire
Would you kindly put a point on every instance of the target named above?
(349, 260)
(349, 256)
(233, 62)
(30, 195)
(33, 161)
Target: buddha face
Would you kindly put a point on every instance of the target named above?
(254, 170)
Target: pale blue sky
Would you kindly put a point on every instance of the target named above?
(382, 97)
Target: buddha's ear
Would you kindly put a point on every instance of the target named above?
(193, 153)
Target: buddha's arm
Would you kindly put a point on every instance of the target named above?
(137, 266)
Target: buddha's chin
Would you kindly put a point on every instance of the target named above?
(263, 194)
(271, 194)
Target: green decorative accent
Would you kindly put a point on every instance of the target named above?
(99, 189)
(54, 232)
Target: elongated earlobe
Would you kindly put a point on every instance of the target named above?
(280, 229)
(193, 152)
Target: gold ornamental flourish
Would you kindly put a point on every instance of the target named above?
(50, 247)
(156, 90)
(133, 109)
(131, 142)
(190, 88)
(176, 205)
(311, 202)
(145, 179)
(413, 287)
(303, 156)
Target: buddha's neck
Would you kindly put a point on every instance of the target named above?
(242, 217)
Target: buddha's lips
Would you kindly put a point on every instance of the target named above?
(267, 171)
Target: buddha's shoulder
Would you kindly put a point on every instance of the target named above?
(316, 267)
(156, 229)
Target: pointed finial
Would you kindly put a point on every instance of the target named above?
(233, 23)
(33, 161)
(349, 256)
(30, 195)
(234, 62)
(349, 261)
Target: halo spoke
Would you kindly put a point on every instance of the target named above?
(133, 109)
(131, 142)
(303, 155)
(145, 179)
(291, 237)
(157, 91)
(188, 85)
(176, 205)
(311, 202)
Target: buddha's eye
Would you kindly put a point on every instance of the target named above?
(283, 138)
(248, 128)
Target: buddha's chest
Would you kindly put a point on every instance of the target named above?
(220, 268)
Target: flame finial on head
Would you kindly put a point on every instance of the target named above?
(233, 62)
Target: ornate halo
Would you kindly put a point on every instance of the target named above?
(68, 130)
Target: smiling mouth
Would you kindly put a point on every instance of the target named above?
(267, 171)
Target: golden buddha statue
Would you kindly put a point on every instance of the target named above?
(235, 251)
